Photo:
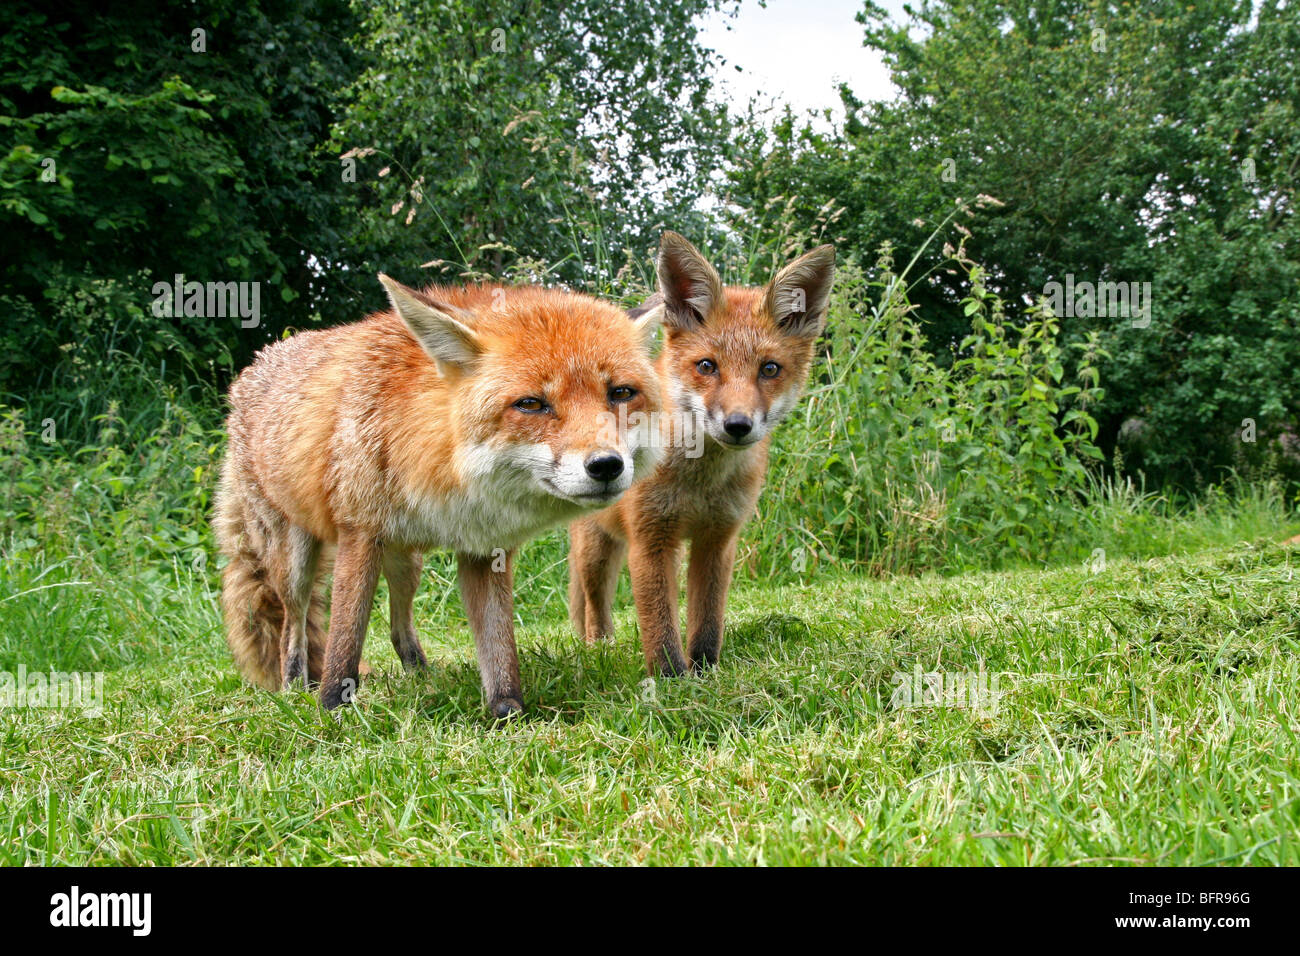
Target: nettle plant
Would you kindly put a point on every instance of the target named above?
(898, 463)
(1026, 435)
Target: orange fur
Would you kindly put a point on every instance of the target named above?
(405, 432)
(707, 499)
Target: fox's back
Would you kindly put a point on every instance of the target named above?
(309, 409)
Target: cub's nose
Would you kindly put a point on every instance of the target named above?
(737, 425)
(604, 465)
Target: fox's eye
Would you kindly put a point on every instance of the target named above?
(706, 366)
(769, 370)
(622, 393)
(531, 405)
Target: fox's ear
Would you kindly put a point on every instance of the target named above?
(690, 286)
(796, 299)
(437, 328)
(648, 316)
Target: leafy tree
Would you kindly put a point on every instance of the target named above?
(522, 134)
(1217, 383)
(305, 145)
(140, 149)
(1114, 138)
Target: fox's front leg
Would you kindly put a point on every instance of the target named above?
(653, 563)
(488, 594)
(402, 572)
(356, 572)
(707, 581)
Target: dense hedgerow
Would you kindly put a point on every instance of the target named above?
(893, 463)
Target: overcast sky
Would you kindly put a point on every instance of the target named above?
(797, 51)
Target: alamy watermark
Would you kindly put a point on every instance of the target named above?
(978, 691)
(74, 908)
(1100, 300)
(209, 300)
(53, 689)
(681, 428)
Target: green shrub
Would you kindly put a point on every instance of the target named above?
(895, 463)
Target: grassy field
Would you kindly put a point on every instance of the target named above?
(1145, 712)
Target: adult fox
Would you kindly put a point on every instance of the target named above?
(735, 360)
(464, 418)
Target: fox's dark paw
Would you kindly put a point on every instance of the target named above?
(506, 707)
(414, 659)
(334, 694)
(294, 674)
(704, 647)
(673, 666)
(703, 662)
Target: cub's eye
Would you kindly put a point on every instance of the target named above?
(531, 405)
(706, 366)
(769, 370)
(622, 393)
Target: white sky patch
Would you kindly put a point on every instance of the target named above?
(797, 52)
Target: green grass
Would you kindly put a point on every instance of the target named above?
(1148, 715)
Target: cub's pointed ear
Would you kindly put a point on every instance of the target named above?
(648, 316)
(796, 299)
(690, 286)
(438, 328)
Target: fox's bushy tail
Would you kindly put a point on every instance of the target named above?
(253, 540)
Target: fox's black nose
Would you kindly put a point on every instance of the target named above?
(604, 466)
(738, 425)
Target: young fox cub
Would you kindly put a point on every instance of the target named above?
(469, 419)
(735, 360)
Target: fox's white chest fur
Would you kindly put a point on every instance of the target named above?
(500, 504)
(498, 507)
(490, 516)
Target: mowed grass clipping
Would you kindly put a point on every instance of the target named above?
(1147, 715)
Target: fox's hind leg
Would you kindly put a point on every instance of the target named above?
(595, 559)
(402, 572)
(302, 554)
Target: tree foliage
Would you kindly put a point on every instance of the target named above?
(1150, 142)
(302, 146)
(501, 132)
(171, 152)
